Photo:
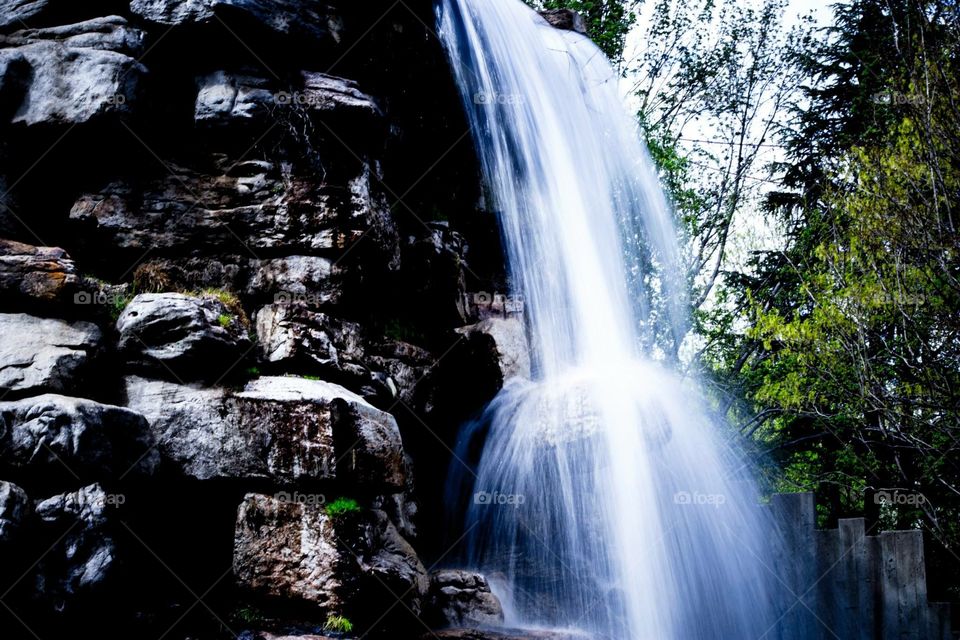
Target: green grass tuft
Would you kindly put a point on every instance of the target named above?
(342, 507)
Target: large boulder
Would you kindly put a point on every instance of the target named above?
(32, 275)
(296, 551)
(53, 439)
(283, 429)
(460, 598)
(189, 337)
(508, 342)
(298, 338)
(44, 355)
(14, 507)
(506, 634)
(72, 75)
(565, 19)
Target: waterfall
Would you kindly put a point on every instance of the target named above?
(605, 498)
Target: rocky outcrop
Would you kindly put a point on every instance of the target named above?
(565, 19)
(64, 440)
(40, 355)
(186, 337)
(72, 75)
(32, 276)
(507, 340)
(14, 507)
(297, 551)
(462, 599)
(283, 429)
(310, 22)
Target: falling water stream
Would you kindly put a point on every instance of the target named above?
(604, 499)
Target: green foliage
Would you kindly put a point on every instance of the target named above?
(224, 320)
(842, 356)
(338, 624)
(342, 507)
(608, 21)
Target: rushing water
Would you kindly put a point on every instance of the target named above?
(604, 498)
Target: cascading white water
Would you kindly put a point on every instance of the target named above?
(604, 498)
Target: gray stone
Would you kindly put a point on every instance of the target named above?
(226, 99)
(111, 33)
(14, 13)
(58, 84)
(289, 550)
(509, 339)
(40, 354)
(291, 334)
(189, 337)
(462, 599)
(14, 507)
(68, 439)
(506, 634)
(85, 559)
(282, 429)
(36, 275)
(295, 551)
(294, 279)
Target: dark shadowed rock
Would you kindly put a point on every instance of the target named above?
(14, 507)
(304, 20)
(81, 563)
(36, 275)
(52, 439)
(462, 599)
(186, 337)
(283, 429)
(566, 19)
(43, 355)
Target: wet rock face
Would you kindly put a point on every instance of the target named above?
(282, 429)
(460, 598)
(40, 355)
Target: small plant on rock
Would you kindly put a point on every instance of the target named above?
(338, 624)
(342, 507)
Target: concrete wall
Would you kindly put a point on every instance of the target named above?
(844, 584)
